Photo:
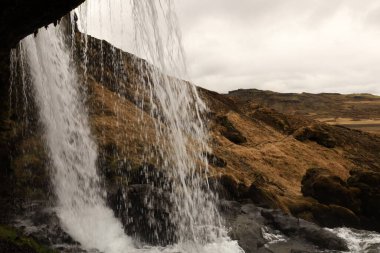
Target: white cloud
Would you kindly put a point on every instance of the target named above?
(283, 45)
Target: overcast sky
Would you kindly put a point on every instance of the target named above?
(281, 45)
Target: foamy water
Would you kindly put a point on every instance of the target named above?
(359, 241)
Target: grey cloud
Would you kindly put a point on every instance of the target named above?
(284, 45)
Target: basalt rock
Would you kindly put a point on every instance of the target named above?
(321, 185)
(369, 184)
(148, 214)
(246, 225)
(300, 228)
(353, 203)
(255, 228)
(142, 200)
(145, 213)
(334, 216)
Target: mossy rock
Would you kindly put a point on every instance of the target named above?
(12, 241)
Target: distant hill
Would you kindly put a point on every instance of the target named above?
(356, 111)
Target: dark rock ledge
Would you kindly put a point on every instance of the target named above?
(19, 18)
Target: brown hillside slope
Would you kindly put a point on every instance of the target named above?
(258, 153)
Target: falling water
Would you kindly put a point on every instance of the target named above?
(181, 136)
(178, 106)
(80, 207)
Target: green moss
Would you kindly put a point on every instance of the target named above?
(12, 236)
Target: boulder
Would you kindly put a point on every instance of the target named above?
(334, 216)
(308, 231)
(353, 203)
(321, 185)
(324, 215)
(247, 231)
(248, 227)
(369, 184)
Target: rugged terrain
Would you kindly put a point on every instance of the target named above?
(356, 111)
(266, 154)
(321, 173)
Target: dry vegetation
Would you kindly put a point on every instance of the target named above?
(356, 111)
(258, 146)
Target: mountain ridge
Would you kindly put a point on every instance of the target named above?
(355, 111)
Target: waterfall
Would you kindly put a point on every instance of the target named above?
(181, 135)
(178, 106)
(81, 208)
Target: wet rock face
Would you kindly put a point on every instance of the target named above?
(147, 215)
(144, 205)
(353, 203)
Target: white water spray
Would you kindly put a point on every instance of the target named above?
(81, 208)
